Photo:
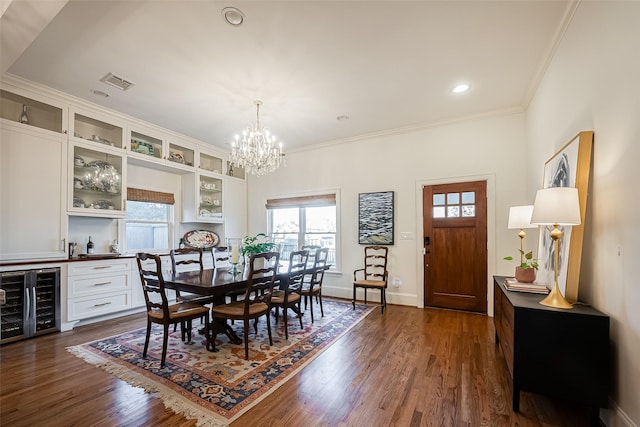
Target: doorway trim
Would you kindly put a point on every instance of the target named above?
(491, 232)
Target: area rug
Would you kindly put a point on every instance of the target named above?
(216, 388)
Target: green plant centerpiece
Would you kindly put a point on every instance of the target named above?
(252, 245)
(257, 244)
(526, 271)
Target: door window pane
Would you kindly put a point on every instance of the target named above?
(453, 211)
(453, 198)
(438, 199)
(468, 197)
(469, 211)
(438, 211)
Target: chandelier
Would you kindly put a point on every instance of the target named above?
(256, 152)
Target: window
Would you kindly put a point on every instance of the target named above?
(298, 221)
(454, 205)
(149, 219)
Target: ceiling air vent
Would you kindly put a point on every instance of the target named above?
(115, 81)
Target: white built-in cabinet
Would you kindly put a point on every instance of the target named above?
(97, 166)
(67, 160)
(99, 288)
(33, 161)
(235, 208)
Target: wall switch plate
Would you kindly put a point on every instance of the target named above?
(406, 235)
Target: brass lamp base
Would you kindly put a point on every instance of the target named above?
(555, 299)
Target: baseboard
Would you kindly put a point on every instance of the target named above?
(396, 298)
(615, 417)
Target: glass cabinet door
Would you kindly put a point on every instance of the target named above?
(31, 112)
(97, 131)
(210, 163)
(210, 198)
(98, 183)
(181, 154)
(147, 145)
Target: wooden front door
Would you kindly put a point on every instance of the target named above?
(455, 244)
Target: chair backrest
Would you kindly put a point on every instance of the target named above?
(319, 267)
(153, 284)
(221, 257)
(261, 278)
(375, 263)
(312, 250)
(297, 266)
(185, 256)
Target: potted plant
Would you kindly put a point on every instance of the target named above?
(256, 245)
(252, 245)
(526, 271)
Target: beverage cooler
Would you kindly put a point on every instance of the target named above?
(31, 305)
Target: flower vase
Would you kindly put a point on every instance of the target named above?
(525, 275)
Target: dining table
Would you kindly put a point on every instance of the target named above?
(217, 282)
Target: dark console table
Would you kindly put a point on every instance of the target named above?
(556, 352)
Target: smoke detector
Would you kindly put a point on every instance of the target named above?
(116, 81)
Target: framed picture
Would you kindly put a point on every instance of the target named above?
(375, 218)
(569, 167)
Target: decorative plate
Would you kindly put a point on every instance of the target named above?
(201, 239)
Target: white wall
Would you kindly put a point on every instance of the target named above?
(492, 147)
(593, 84)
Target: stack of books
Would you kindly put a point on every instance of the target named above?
(536, 288)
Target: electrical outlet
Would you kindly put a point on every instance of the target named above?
(396, 282)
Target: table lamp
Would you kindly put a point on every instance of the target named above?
(556, 206)
(520, 217)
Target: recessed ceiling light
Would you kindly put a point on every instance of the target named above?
(342, 117)
(233, 16)
(462, 87)
(99, 93)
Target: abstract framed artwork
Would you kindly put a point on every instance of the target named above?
(375, 218)
(569, 167)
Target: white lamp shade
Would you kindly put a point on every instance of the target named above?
(520, 217)
(557, 205)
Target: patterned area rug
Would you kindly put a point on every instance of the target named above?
(216, 388)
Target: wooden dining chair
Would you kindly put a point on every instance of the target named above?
(312, 283)
(222, 259)
(289, 296)
(257, 297)
(374, 275)
(158, 308)
(188, 256)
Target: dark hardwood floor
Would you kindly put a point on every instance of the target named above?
(408, 367)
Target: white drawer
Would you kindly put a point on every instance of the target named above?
(83, 308)
(102, 266)
(98, 284)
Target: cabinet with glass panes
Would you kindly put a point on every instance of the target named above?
(30, 112)
(235, 171)
(97, 181)
(97, 129)
(148, 147)
(202, 197)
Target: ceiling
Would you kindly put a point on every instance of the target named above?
(388, 65)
